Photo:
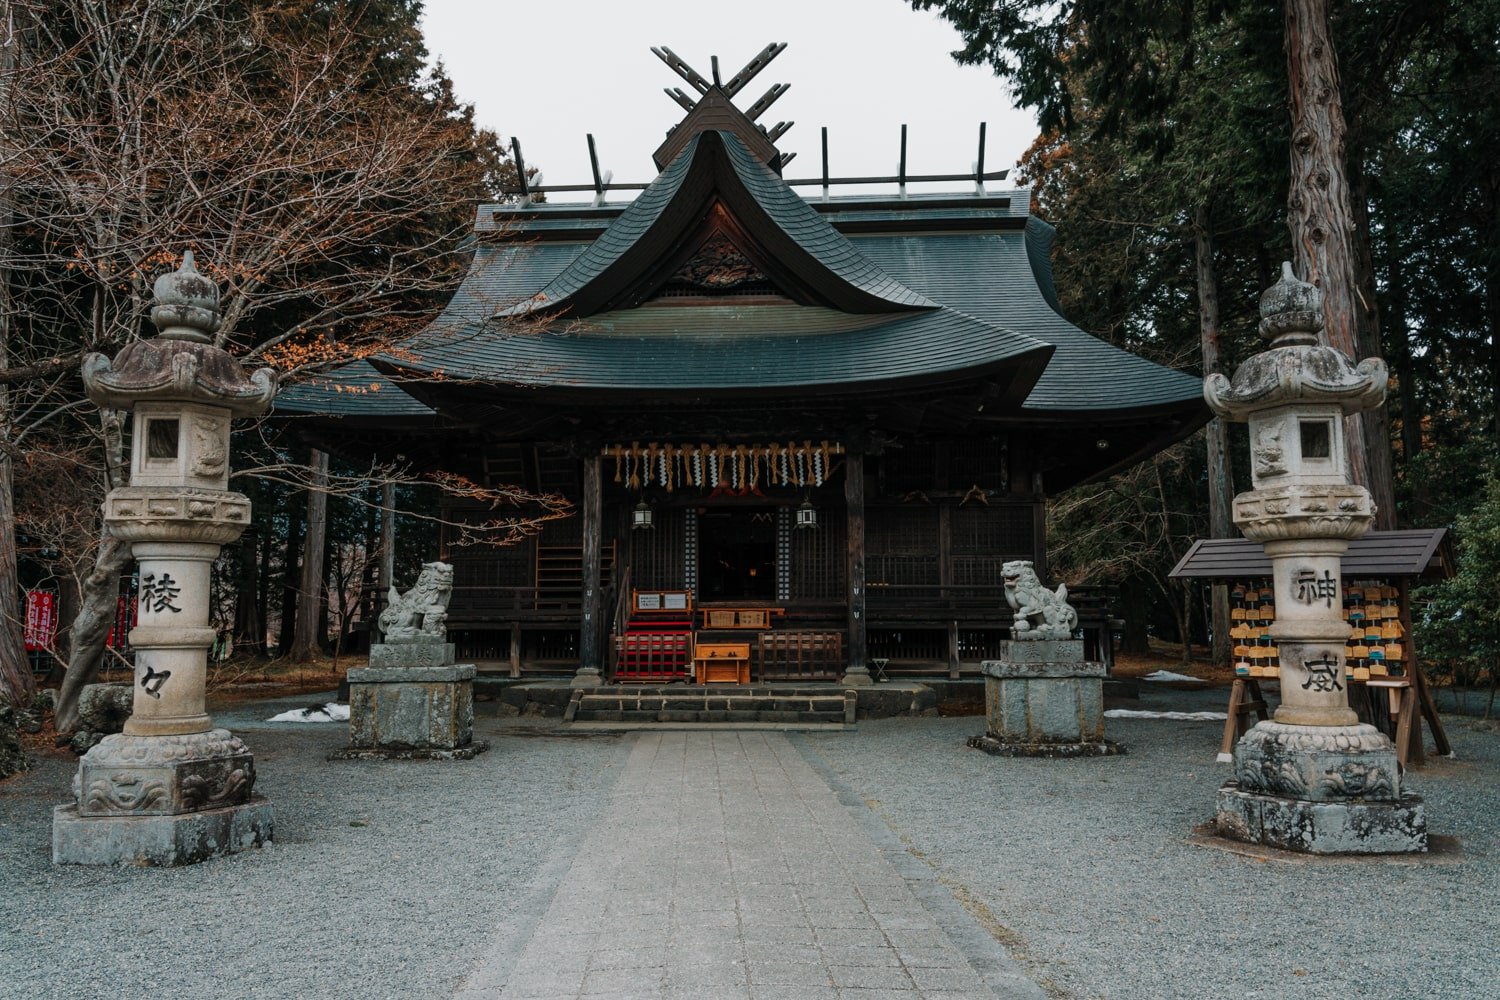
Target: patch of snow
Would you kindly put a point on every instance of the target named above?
(331, 712)
(1131, 713)
(1167, 675)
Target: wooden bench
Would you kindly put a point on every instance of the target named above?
(722, 663)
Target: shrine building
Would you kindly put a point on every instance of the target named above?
(808, 426)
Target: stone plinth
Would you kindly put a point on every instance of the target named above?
(178, 839)
(1350, 826)
(412, 712)
(1042, 698)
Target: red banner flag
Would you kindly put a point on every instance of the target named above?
(41, 619)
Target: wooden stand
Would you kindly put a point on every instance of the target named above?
(1245, 700)
(722, 663)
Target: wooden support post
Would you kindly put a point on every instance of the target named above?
(589, 660)
(953, 650)
(858, 671)
(1419, 679)
(387, 572)
(1245, 698)
(515, 648)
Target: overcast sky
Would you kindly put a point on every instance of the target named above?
(552, 71)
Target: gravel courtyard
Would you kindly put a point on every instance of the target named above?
(390, 880)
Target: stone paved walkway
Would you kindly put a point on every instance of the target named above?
(726, 867)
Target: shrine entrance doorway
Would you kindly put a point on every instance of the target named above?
(737, 554)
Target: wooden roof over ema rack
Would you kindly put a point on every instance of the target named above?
(1379, 554)
(718, 292)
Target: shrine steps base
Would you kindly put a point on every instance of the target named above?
(684, 704)
(552, 698)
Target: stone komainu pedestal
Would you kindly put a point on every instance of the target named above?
(1043, 699)
(409, 703)
(171, 789)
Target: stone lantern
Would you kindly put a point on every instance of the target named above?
(1314, 779)
(171, 789)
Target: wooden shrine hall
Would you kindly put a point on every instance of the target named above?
(802, 433)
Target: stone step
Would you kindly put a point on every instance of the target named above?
(707, 705)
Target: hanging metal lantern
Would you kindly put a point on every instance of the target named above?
(642, 516)
(807, 515)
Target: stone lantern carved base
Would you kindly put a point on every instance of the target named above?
(411, 707)
(161, 800)
(1043, 699)
(1322, 790)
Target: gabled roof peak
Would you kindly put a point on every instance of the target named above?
(715, 184)
(714, 109)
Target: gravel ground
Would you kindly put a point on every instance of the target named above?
(384, 881)
(1086, 862)
(387, 879)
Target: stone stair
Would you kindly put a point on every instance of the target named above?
(714, 704)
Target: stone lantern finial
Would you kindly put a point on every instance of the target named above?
(1291, 311)
(186, 304)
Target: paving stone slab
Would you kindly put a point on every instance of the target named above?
(727, 866)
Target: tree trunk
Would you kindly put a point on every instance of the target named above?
(1318, 212)
(1403, 361)
(263, 597)
(249, 627)
(90, 631)
(1220, 476)
(1376, 422)
(290, 564)
(306, 643)
(99, 598)
(17, 685)
(387, 556)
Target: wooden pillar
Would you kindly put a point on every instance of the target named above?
(1039, 525)
(589, 660)
(387, 572)
(858, 671)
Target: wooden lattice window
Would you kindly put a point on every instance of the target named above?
(901, 546)
(985, 537)
(978, 462)
(657, 555)
(907, 469)
(818, 556)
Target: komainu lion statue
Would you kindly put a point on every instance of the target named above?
(1039, 613)
(420, 614)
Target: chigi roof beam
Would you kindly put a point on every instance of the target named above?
(682, 69)
(766, 100)
(753, 67)
(676, 94)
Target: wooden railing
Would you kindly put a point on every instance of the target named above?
(799, 655)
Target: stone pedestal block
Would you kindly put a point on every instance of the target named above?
(1049, 707)
(1351, 826)
(179, 839)
(412, 712)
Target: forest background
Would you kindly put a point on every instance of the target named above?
(344, 175)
